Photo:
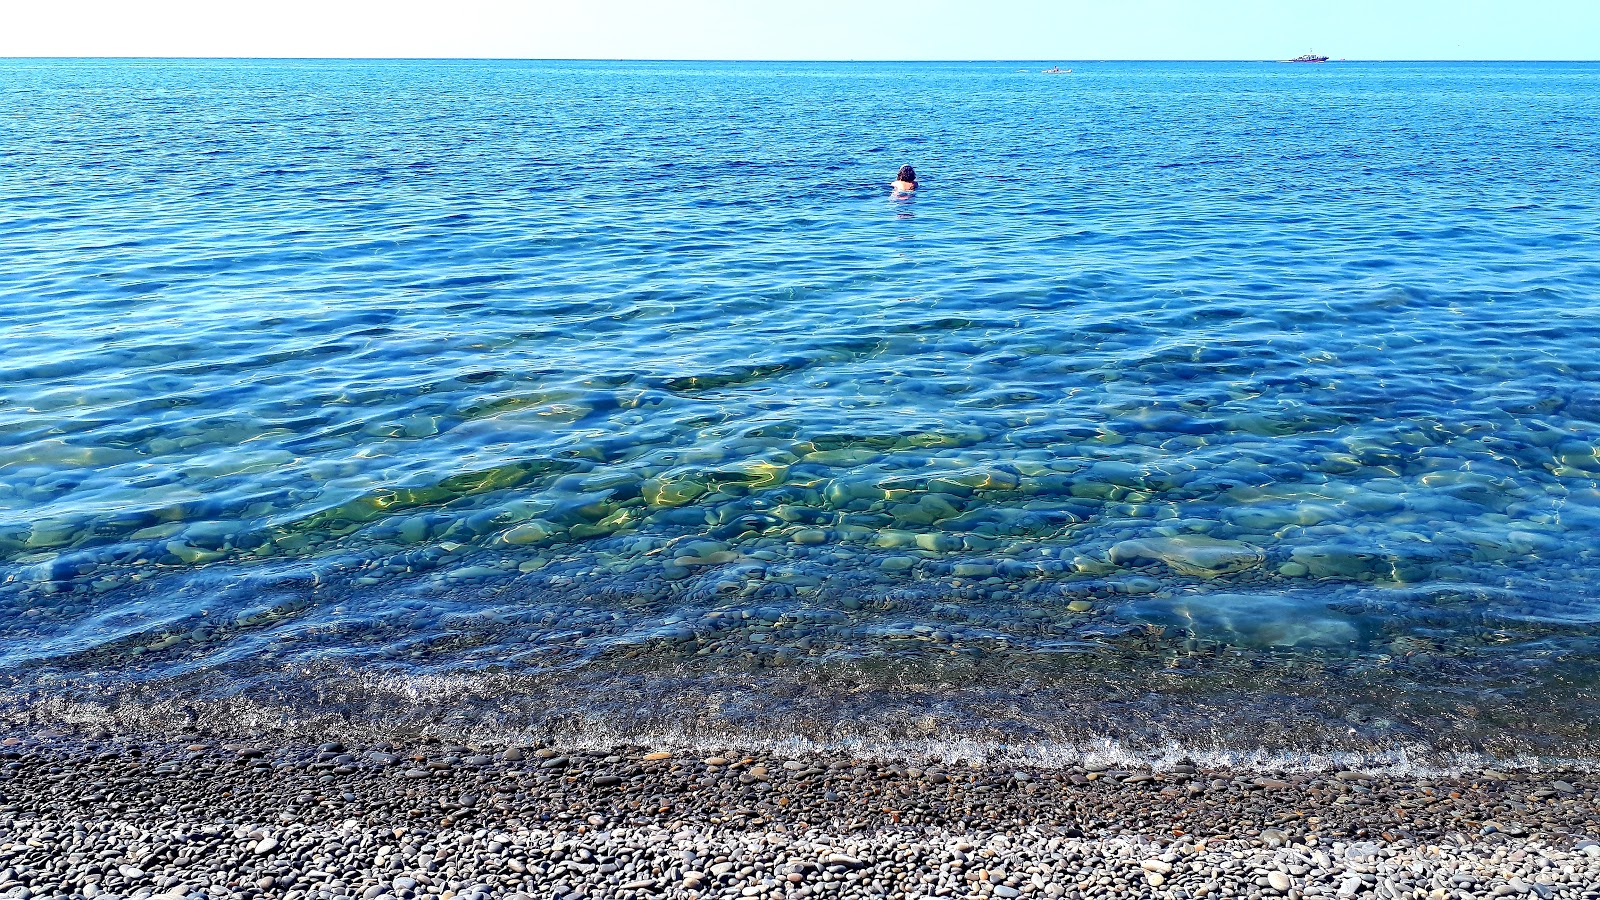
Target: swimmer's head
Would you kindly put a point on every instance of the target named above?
(907, 174)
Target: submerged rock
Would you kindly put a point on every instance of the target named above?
(530, 532)
(1333, 561)
(1191, 554)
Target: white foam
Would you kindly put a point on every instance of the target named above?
(404, 708)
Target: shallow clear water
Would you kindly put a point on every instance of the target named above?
(1235, 386)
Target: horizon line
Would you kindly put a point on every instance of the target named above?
(730, 59)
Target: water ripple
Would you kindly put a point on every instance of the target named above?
(1198, 374)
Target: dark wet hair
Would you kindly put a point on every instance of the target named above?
(907, 174)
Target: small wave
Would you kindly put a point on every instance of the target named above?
(411, 708)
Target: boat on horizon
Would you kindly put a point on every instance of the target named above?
(1307, 58)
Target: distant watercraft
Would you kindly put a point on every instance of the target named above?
(1055, 71)
(1308, 58)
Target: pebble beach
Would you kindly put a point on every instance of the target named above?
(87, 813)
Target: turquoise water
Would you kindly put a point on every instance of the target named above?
(1213, 383)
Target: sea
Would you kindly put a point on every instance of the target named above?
(1244, 412)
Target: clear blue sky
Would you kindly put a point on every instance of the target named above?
(809, 29)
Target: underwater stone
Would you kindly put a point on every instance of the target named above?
(840, 457)
(1094, 489)
(622, 483)
(709, 558)
(157, 532)
(292, 541)
(1332, 561)
(1084, 565)
(758, 473)
(809, 536)
(625, 517)
(986, 479)
(191, 554)
(1525, 542)
(1139, 585)
(530, 532)
(595, 510)
(663, 492)
(842, 492)
(1271, 519)
(414, 529)
(1120, 474)
(47, 534)
(1370, 502)
(928, 509)
(1191, 554)
(211, 535)
(897, 563)
(854, 532)
(893, 538)
(1578, 455)
(787, 512)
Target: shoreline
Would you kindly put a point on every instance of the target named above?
(1098, 720)
(198, 813)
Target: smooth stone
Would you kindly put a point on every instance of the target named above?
(893, 538)
(842, 492)
(530, 532)
(1191, 554)
(1332, 561)
(1159, 866)
(938, 543)
(191, 554)
(843, 457)
(664, 493)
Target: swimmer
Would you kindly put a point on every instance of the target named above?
(905, 179)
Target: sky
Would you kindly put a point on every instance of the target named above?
(1061, 30)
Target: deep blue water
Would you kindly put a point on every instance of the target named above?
(332, 384)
